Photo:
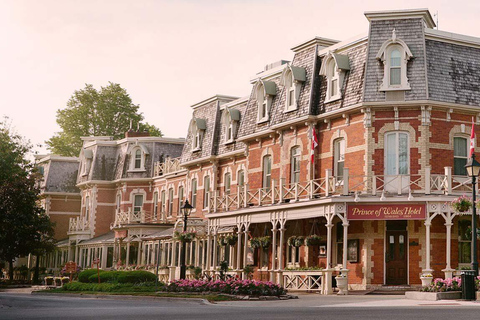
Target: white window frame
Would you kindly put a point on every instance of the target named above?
(397, 152)
(193, 198)
(181, 195)
(171, 194)
(87, 208)
(118, 202)
(163, 199)
(333, 81)
(262, 103)
(206, 191)
(463, 157)
(241, 178)
(134, 204)
(155, 205)
(267, 172)
(227, 182)
(133, 161)
(291, 93)
(339, 157)
(295, 164)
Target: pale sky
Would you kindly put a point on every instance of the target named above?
(168, 55)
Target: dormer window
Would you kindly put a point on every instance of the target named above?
(137, 158)
(334, 68)
(394, 54)
(292, 79)
(264, 91)
(231, 119)
(88, 155)
(197, 130)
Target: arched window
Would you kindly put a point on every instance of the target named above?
(295, 165)
(396, 153)
(170, 202)
(264, 93)
(227, 182)
(197, 130)
(137, 158)
(332, 80)
(231, 119)
(206, 191)
(267, 172)
(137, 203)
(395, 67)
(460, 156)
(290, 91)
(262, 104)
(241, 178)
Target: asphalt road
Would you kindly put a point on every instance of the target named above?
(25, 306)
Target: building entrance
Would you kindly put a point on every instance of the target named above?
(396, 253)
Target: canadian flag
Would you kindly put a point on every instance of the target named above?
(314, 145)
(472, 139)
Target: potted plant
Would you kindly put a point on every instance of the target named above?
(426, 279)
(461, 204)
(313, 240)
(255, 243)
(185, 236)
(222, 241)
(296, 241)
(265, 241)
(231, 239)
(342, 282)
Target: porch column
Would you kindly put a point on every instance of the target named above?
(427, 269)
(77, 250)
(103, 265)
(329, 244)
(79, 257)
(345, 247)
(448, 269)
(139, 254)
(245, 250)
(280, 255)
(208, 258)
(215, 248)
(274, 252)
(239, 249)
(127, 257)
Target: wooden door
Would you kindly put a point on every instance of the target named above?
(396, 257)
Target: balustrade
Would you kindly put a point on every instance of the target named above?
(168, 166)
(78, 224)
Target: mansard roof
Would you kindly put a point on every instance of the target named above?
(59, 174)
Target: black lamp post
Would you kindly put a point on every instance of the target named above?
(473, 169)
(186, 209)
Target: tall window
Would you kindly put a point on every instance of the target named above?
(333, 79)
(194, 193)
(339, 158)
(206, 191)
(290, 92)
(261, 104)
(164, 200)
(396, 153)
(87, 208)
(267, 172)
(227, 182)
(464, 241)
(460, 156)
(118, 202)
(295, 165)
(180, 199)
(155, 205)
(395, 67)
(138, 159)
(170, 201)
(137, 203)
(241, 178)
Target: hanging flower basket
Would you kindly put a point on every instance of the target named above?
(313, 240)
(296, 241)
(461, 204)
(185, 236)
(222, 241)
(260, 242)
(231, 239)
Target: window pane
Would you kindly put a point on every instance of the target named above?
(402, 153)
(333, 89)
(460, 147)
(138, 200)
(459, 166)
(391, 154)
(291, 97)
(395, 76)
(395, 58)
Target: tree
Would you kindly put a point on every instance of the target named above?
(24, 227)
(91, 112)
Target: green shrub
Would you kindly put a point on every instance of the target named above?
(84, 276)
(110, 287)
(136, 277)
(105, 277)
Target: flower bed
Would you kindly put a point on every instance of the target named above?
(230, 286)
(441, 285)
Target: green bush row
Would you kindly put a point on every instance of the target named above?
(138, 276)
(110, 287)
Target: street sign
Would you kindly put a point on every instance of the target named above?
(71, 267)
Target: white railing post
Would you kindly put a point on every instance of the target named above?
(448, 180)
(427, 179)
(311, 188)
(281, 194)
(345, 181)
(260, 196)
(238, 196)
(374, 185)
(328, 174)
(399, 184)
(209, 202)
(245, 193)
(215, 199)
(296, 191)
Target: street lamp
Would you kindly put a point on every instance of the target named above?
(473, 169)
(186, 209)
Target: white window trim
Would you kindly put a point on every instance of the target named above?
(337, 75)
(384, 56)
(466, 138)
(264, 99)
(293, 159)
(397, 134)
(132, 160)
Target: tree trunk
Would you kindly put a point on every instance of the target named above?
(10, 270)
(35, 274)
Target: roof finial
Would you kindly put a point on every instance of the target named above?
(394, 35)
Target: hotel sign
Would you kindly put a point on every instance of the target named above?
(386, 212)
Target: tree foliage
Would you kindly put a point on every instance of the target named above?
(91, 112)
(24, 227)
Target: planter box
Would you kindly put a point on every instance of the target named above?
(433, 296)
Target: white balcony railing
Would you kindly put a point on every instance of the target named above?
(168, 166)
(130, 217)
(329, 185)
(78, 224)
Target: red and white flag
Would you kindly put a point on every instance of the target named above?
(472, 140)
(314, 145)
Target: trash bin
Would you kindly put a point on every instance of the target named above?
(468, 284)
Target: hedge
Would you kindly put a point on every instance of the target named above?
(110, 287)
(230, 286)
(138, 276)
